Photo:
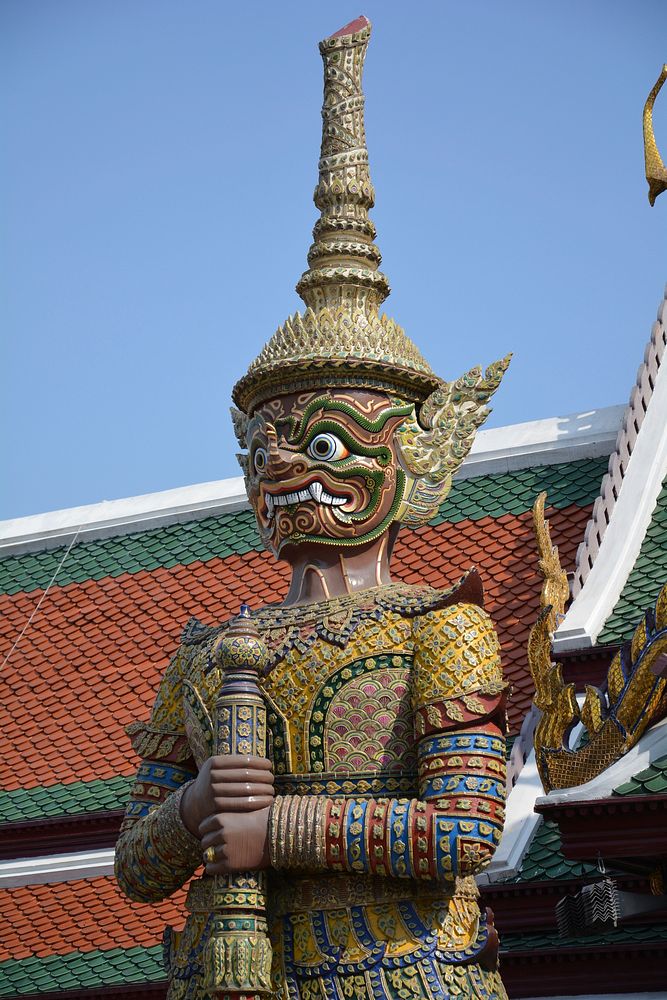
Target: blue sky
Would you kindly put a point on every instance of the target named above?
(156, 204)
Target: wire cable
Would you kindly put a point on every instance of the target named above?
(41, 600)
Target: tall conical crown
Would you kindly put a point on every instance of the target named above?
(343, 260)
(341, 340)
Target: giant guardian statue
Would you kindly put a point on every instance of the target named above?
(328, 773)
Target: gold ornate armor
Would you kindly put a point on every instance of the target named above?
(385, 701)
(350, 684)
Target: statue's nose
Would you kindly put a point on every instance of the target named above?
(283, 464)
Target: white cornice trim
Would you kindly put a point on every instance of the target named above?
(520, 825)
(651, 746)
(55, 868)
(501, 449)
(121, 517)
(621, 542)
(591, 434)
(631, 425)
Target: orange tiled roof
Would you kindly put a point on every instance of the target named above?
(81, 915)
(95, 652)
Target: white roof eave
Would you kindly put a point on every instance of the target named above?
(498, 450)
(622, 540)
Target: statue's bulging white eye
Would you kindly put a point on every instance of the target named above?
(327, 448)
(259, 459)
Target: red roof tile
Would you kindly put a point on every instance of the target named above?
(82, 915)
(93, 657)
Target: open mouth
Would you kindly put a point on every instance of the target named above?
(314, 491)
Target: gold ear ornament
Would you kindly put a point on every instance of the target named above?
(433, 444)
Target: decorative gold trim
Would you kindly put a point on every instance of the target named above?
(656, 174)
(553, 598)
(635, 698)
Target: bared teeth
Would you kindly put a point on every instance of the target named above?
(314, 492)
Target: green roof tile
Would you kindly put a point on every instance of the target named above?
(627, 934)
(86, 970)
(568, 483)
(64, 800)
(646, 578)
(651, 780)
(544, 858)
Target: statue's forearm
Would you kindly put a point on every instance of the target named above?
(453, 829)
(156, 854)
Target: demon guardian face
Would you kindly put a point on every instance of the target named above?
(322, 467)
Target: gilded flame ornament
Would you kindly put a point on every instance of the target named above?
(656, 173)
(614, 717)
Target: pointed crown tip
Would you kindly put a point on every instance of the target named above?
(358, 24)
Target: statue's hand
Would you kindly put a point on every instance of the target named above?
(240, 841)
(231, 784)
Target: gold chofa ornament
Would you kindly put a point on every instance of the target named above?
(656, 174)
(342, 341)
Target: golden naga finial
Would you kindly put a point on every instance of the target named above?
(656, 173)
(343, 260)
(549, 688)
(634, 696)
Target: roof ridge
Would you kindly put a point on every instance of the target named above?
(631, 425)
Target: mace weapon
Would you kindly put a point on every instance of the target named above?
(239, 951)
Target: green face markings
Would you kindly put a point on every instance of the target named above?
(381, 453)
(298, 427)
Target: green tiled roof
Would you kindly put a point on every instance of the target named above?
(81, 970)
(544, 859)
(646, 578)
(62, 800)
(626, 934)
(123, 966)
(568, 483)
(231, 534)
(647, 782)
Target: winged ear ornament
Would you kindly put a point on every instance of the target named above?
(240, 422)
(433, 443)
(656, 173)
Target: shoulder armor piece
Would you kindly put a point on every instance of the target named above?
(457, 654)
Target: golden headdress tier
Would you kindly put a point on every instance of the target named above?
(341, 340)
(335, 348)
(343, 260)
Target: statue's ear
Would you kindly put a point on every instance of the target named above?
(240, 422)
(432, 447)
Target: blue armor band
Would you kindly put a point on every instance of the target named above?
(157, 855)
(355, 832)
(165, 775)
